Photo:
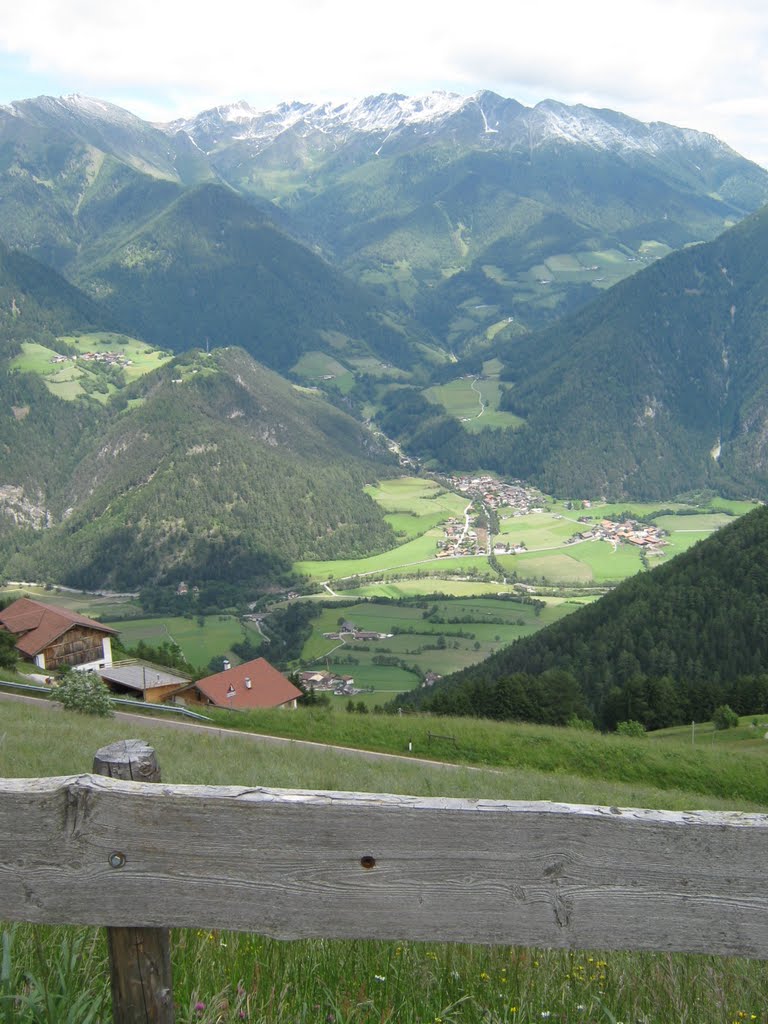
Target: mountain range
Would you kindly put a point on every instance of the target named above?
(463, 218)
(459, 207)
(383, 238)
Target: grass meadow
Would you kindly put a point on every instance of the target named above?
(64, 380)
(462, 398)
(58, 975)
(199, 638)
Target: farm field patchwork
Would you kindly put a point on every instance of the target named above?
(430, 634)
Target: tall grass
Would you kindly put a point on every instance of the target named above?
(54, 974)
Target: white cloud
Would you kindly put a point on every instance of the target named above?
(692, 62)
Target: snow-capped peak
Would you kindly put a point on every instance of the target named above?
(390, 118)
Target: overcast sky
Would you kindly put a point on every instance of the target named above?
(695, 63)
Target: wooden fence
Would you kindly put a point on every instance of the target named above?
(95, 850)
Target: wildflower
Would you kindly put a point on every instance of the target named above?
(199, 1007)
(546, 1013)
(379, 977)
(484, 976)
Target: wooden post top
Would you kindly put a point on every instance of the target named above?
(130, 760)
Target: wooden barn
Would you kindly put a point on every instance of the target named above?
(54, 638)
(142, 680)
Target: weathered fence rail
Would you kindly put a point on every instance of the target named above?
(88, 849)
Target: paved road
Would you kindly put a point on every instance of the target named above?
(254, 737)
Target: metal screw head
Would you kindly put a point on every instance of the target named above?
(116, 859)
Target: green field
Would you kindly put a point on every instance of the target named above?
(66, 380)
(536, 531)
(198, 643)
(417, 496)
(415, 587)
(552, 567)
(317, 366)
(462, 398)
(419, 549)
(93, 605)
(430, 646)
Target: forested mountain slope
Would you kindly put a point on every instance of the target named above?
(665, 647)
(36, 302)
(476, 217)
(40, 437)
(140, 220)
(218, 470)
(211, 268)
(659, 387)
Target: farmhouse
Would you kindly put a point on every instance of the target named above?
(254, 684)
(53, 637)
(142, 680)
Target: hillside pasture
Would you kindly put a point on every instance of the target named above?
(199, 643)
(144, 357)
(417, 496)
(66, 380)
(462, 398)
(222, 978)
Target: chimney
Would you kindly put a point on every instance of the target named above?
(247, 682)
(227, 665)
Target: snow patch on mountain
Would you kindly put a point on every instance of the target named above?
(492, 119)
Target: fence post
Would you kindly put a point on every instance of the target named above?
(139, 958)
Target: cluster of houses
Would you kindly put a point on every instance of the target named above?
(52, 638)
(461, 538)
(650, 539)
(110, 358)
(329, 682)
(496, 494)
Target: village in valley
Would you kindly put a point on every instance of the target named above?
(491, 498)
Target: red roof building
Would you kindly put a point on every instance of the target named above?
(54, 637)
(254, 684)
